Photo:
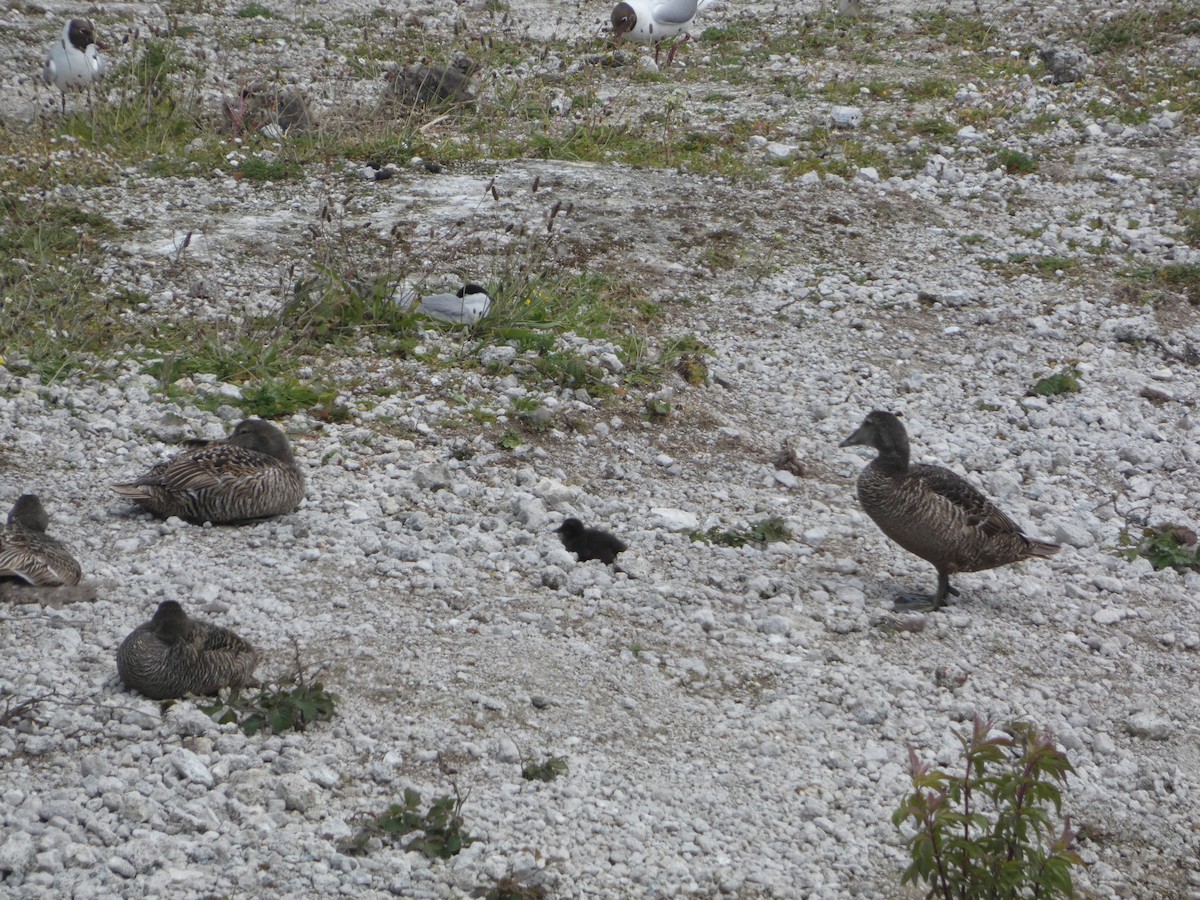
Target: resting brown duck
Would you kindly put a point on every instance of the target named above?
(28, 553)
(174, 654)
(934, 513)
(249, 475)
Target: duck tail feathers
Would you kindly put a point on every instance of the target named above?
(1042, 549)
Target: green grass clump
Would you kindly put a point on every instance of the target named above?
(290, 705)
(763, 532)
(283, 396)
(1174, 278)
(1014, 162)
(438, 832)
(330, 308)
(258, 170)
(987, 832)
(254, 11)
(968, 32)
(1064, 381)
(1166, 546)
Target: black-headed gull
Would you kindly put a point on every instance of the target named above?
(653, 21)
(74, 62)
(466, 307)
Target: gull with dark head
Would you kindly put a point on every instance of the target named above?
(74, 62)
(654, 21)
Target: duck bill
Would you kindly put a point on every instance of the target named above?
(855, 439)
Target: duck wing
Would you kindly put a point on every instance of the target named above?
(206, 467)
(36, 558)
(976, 509)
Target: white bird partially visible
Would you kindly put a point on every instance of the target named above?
(74, 62)
(652, 21)
(466, 307)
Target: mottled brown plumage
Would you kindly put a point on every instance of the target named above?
(933, 513)
(422, 84)
(173, 654)
(28, 553)
(249, 475)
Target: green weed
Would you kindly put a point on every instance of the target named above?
(987, 832)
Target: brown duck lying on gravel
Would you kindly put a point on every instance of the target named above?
(249, 475)
(933, 513)
(28, 553)
(173, 654)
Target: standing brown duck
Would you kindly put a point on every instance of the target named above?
(934, 513)
(249, 475)
(173, 654)
(28, 553)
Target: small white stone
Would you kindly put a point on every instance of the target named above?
(190, 766)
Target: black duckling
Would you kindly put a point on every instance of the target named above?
(249, 475)
(589, 543)
(933, 513)
(173, 654)
(28, 553)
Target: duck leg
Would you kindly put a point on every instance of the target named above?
(926, 602)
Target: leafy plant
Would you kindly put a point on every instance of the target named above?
(1064, 381)
(987, 832)
(1166, 546)
(290, 705)
(509, 888)
(762, 532)
(1014, 162)
(437, 833)
(509, 440)
(545, 771)
(658, 408)
(281, 397)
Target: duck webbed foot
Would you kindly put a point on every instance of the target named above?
(926, 602)
(918, 603)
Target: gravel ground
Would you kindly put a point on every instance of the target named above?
(735, 720)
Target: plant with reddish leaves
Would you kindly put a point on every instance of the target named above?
(988, 832)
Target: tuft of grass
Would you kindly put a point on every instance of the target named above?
(987, 831)
(1064, 381)
(272, 398)
(1180, 279)
(1014, 162)
(330, 308)
(1166, 546)
(259, 170)
(289, 705)
(254, 11)
(763, 532)
(968, 32)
